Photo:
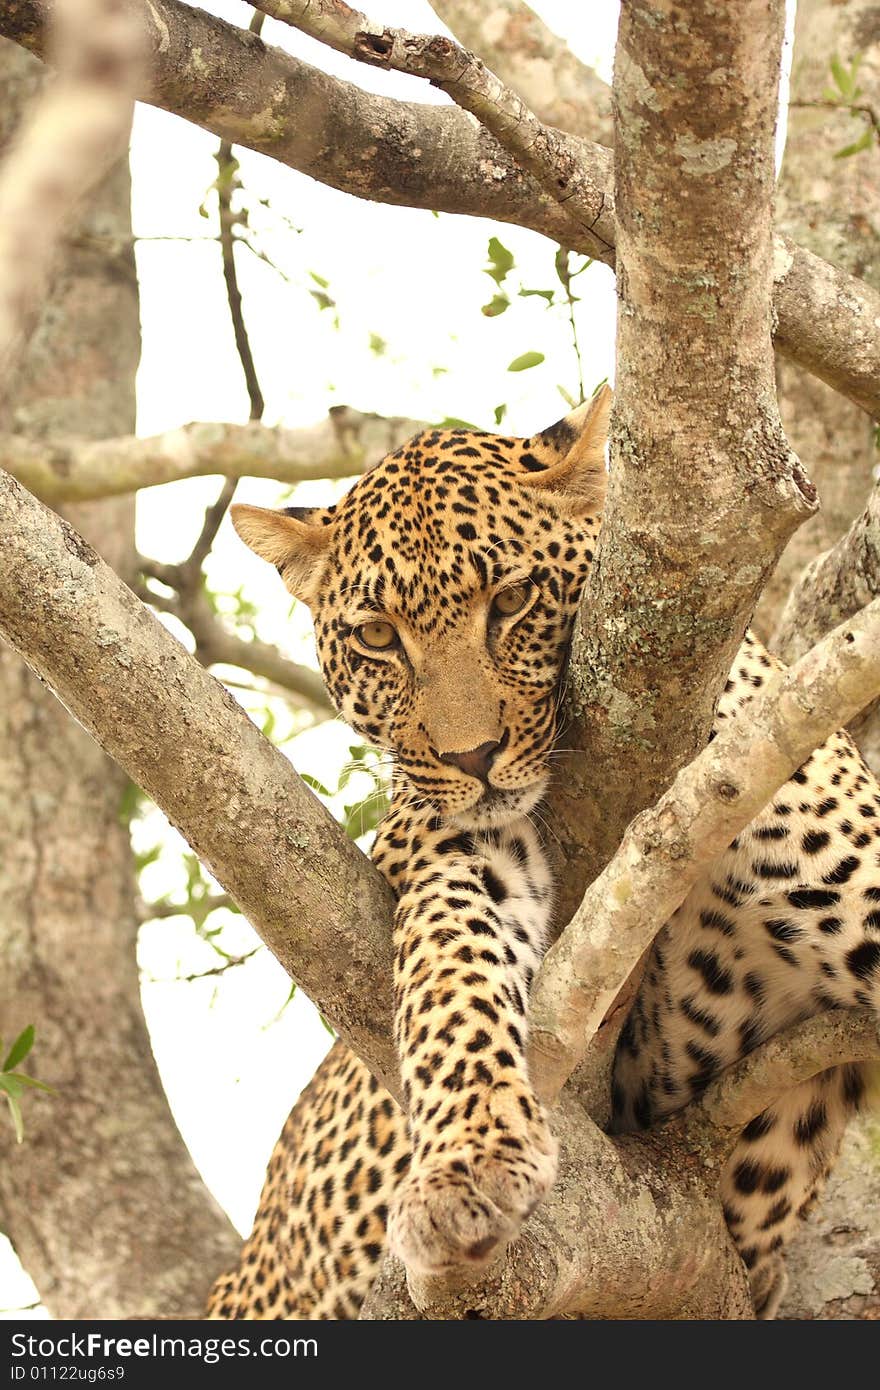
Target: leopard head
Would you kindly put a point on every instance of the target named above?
(443, 589)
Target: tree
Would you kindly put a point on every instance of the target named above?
(688, 223)
(70, 917)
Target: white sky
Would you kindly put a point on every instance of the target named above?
(231, 1066)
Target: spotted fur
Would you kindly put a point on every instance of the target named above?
(423, 557)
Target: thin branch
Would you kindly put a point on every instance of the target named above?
(565, 276)
(77, 129)
(666, 849)
(230, 964)
(191, 568)
(529, 57)
(770, 1072)
(861, 108)
(156, 911)
(551, 156)
(83, 470)
(190, 572)
(216, 646)
(433, 157)
(307, 890)
(834, 585)
(227, 166)
(227, 183)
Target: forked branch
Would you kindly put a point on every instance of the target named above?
(666, 848)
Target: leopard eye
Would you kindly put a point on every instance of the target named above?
(513, 600)
(379, 635)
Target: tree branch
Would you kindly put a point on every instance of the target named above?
(529, 57)
(574, 1258)
(763, 1077)
(82, 470)
(216, 646)
(430, 157)
(551, 156)
(704, 491)
(189, 580)
(833, 586)
(77, 130)
(305, 887)
(666, 849)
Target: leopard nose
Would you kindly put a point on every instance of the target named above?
(476, 762)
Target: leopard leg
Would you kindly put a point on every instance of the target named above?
(777, 1171)
(469, 934)
(319, 1232)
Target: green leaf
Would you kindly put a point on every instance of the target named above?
(525, 361)
(499, 412)
(15, 1111)
(329, 1026)
(500, 261)
(319, 279)
(149, 856)
(130, 802)
(364, 815)
(32, 1081)
(864, 142)
(845, 77)
(378, 345)
(315, 785)
(20, 1048)
(497, 304)
(588, 261)
(840, 75)
(322, 300)
(549, 295)
(566, 396)
(11, 1085)
(452, 422)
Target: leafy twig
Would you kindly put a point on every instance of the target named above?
(14, 1083)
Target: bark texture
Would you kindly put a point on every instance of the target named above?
(830, 206)
(102, 1201)
(226, 80)
(519, 47)
(62, 147)
(834, 1263)
(305, 887)
(704, 490)
(836, 583)
(82, 469)
(666, 848)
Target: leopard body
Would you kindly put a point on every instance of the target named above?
(410, 579)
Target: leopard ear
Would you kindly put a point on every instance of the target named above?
(573, 454)
(295, 541)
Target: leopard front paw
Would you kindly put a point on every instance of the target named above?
(460, 1210)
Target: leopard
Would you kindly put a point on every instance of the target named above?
(444, 588)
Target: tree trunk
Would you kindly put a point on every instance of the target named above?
(831, 206)
(87, 1200)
